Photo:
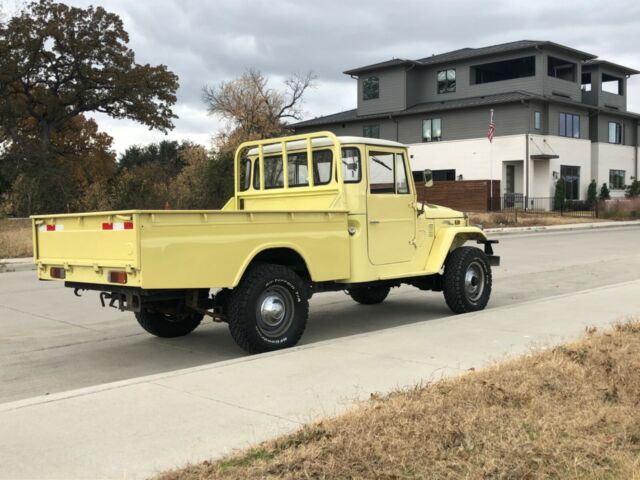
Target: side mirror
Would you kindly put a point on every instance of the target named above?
(428, 178)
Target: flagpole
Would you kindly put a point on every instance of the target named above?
(491, 164)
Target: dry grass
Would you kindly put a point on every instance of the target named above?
(621, 209)
(501, 219)
(571, 412)
(15, 238)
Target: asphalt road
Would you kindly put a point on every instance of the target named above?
(51, 341)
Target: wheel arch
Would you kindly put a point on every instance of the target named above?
(447, 240)
(280, 254)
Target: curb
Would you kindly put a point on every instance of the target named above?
(561, 228)
(17, 265)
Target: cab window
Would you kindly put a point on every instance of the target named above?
(402, 184)
(351, 171)
(387, 173)
(298, 175)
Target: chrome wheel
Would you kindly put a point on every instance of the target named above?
(474, 281)
(274, 311)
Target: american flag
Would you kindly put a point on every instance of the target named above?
(492, 128)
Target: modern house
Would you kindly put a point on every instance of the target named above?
(559, 113)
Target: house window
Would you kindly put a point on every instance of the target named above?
(562, 69)
(570, 175)
(569, 125)
(447, 80)
(615, 133)
(371, 131)
(504, 70)
(537, 120)
(616, 179)
(370, 88)
(432, 130)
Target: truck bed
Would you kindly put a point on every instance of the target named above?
(168, 249)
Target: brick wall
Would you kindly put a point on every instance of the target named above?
(463, 195)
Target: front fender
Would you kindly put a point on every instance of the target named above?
(448, 239)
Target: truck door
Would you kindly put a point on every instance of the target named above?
(391, 212)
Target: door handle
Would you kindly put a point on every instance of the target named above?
(375, 222)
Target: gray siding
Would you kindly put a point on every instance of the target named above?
(553, 86)
(554, 119)
(392, 92)
(511, 119)
(428, 84)
(602, 124)
(603, 99)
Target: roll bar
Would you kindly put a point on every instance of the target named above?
(283, 141)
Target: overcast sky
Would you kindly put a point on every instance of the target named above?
(205, 42)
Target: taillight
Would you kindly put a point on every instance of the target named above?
(117, 277)
(57, 272)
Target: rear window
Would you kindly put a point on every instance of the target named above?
(322, 163)
(273, 177)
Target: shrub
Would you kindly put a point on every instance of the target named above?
(633, 190)
(559, 196)
(604, 192)
(592, 193)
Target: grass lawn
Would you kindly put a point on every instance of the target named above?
(508, 219)
(569, 412)
(15, 238)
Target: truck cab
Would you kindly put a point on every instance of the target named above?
(310, 213)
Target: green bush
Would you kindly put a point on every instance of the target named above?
(633, 190)
(604, 192)
(592, 193)
(559, 196)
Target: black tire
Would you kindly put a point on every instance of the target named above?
(268, 310)
(369, 295)
(467, 280)
(168, 326)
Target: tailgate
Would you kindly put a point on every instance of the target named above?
(87, 246)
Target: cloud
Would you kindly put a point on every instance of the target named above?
(207, 42)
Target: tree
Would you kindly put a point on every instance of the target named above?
(167, 153)
(592, 193)
(604, 192)
(205, 182)
(81, 158)
(633, 190)
(559, 196)
(252, 109)
(57, 62)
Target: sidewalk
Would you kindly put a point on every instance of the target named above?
(16, 264)
(138, 427)
(561, 228)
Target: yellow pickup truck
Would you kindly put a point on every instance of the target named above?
(310, 213)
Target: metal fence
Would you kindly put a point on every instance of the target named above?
(517, 202)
